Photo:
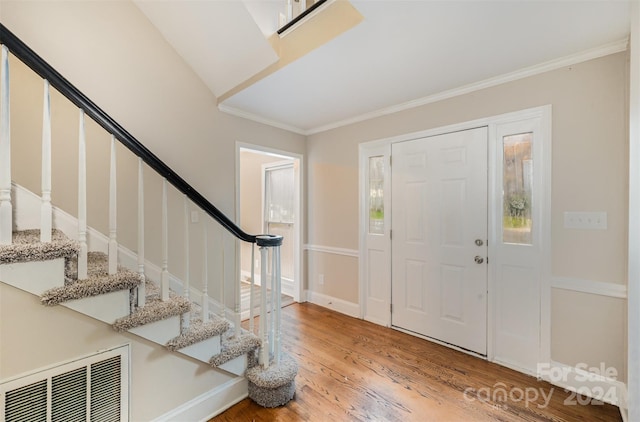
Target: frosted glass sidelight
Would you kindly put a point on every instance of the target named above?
(517, 185)
(376, 195)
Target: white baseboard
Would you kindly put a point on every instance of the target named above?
(335, 304)
(209, 404)
(618, 290)
(595, 386)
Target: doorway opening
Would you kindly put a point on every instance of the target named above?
(268, 201)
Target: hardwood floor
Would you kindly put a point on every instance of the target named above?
(353, 370)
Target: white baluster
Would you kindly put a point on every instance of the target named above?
(252, 285)
(272, 302)
(237, 296)
(186, 318)
(205, 276)
(6, 209)
(113, 211)
(82, 200)
(164, 275)
(45, 207)
(264, 350)
(223, 307)
(278, 294)
(142, 291)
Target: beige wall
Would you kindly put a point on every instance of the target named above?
(589, 174)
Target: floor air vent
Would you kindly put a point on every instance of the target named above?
(94, 388)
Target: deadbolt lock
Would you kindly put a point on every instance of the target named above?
(479, 242)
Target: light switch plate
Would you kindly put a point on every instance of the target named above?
(585, 220)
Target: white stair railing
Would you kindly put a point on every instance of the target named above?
(113, 210)
(186, 318)
(6, 209)
(82, 199)
(46, 215)
(264, 336)
(223, 304)
(164, 275)
(142, 290)
(205, 275)
(252, 284)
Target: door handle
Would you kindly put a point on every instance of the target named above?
(478, 259)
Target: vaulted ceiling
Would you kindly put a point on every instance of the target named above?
(401, 53)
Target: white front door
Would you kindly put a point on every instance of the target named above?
(439, 239)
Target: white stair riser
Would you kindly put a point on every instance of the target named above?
(236, 366)
(204, 350)
(107, 307)
(160, 331)
(34, 277)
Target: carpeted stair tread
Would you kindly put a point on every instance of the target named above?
(98, 282)
(232, 347)
(27, 247)
(154, 310)
(275, 375)
(199, 331)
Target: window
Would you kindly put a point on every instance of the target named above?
(517, 187)
(376, 195)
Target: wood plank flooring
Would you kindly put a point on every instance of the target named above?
(353, 370)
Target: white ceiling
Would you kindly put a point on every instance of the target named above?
(403, 51)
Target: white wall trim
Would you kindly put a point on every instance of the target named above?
(344, 307)
(332, 250)
(260, 119)
(209, 404)
(589, 286)
(590, 384)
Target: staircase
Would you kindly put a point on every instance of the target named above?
(57, 257)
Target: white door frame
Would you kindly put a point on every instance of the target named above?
(287, 288)
(298, 290)
(544, 113)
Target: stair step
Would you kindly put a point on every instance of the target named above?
(237, 366)
(26, 247)
(33, 266)
(107, 307)
(34, 277)
(159, 332)
(99, 281)
(202, 340)
(154, 311)
(234, 356)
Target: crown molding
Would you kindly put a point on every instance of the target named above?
(260, 119)
(594, 53)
